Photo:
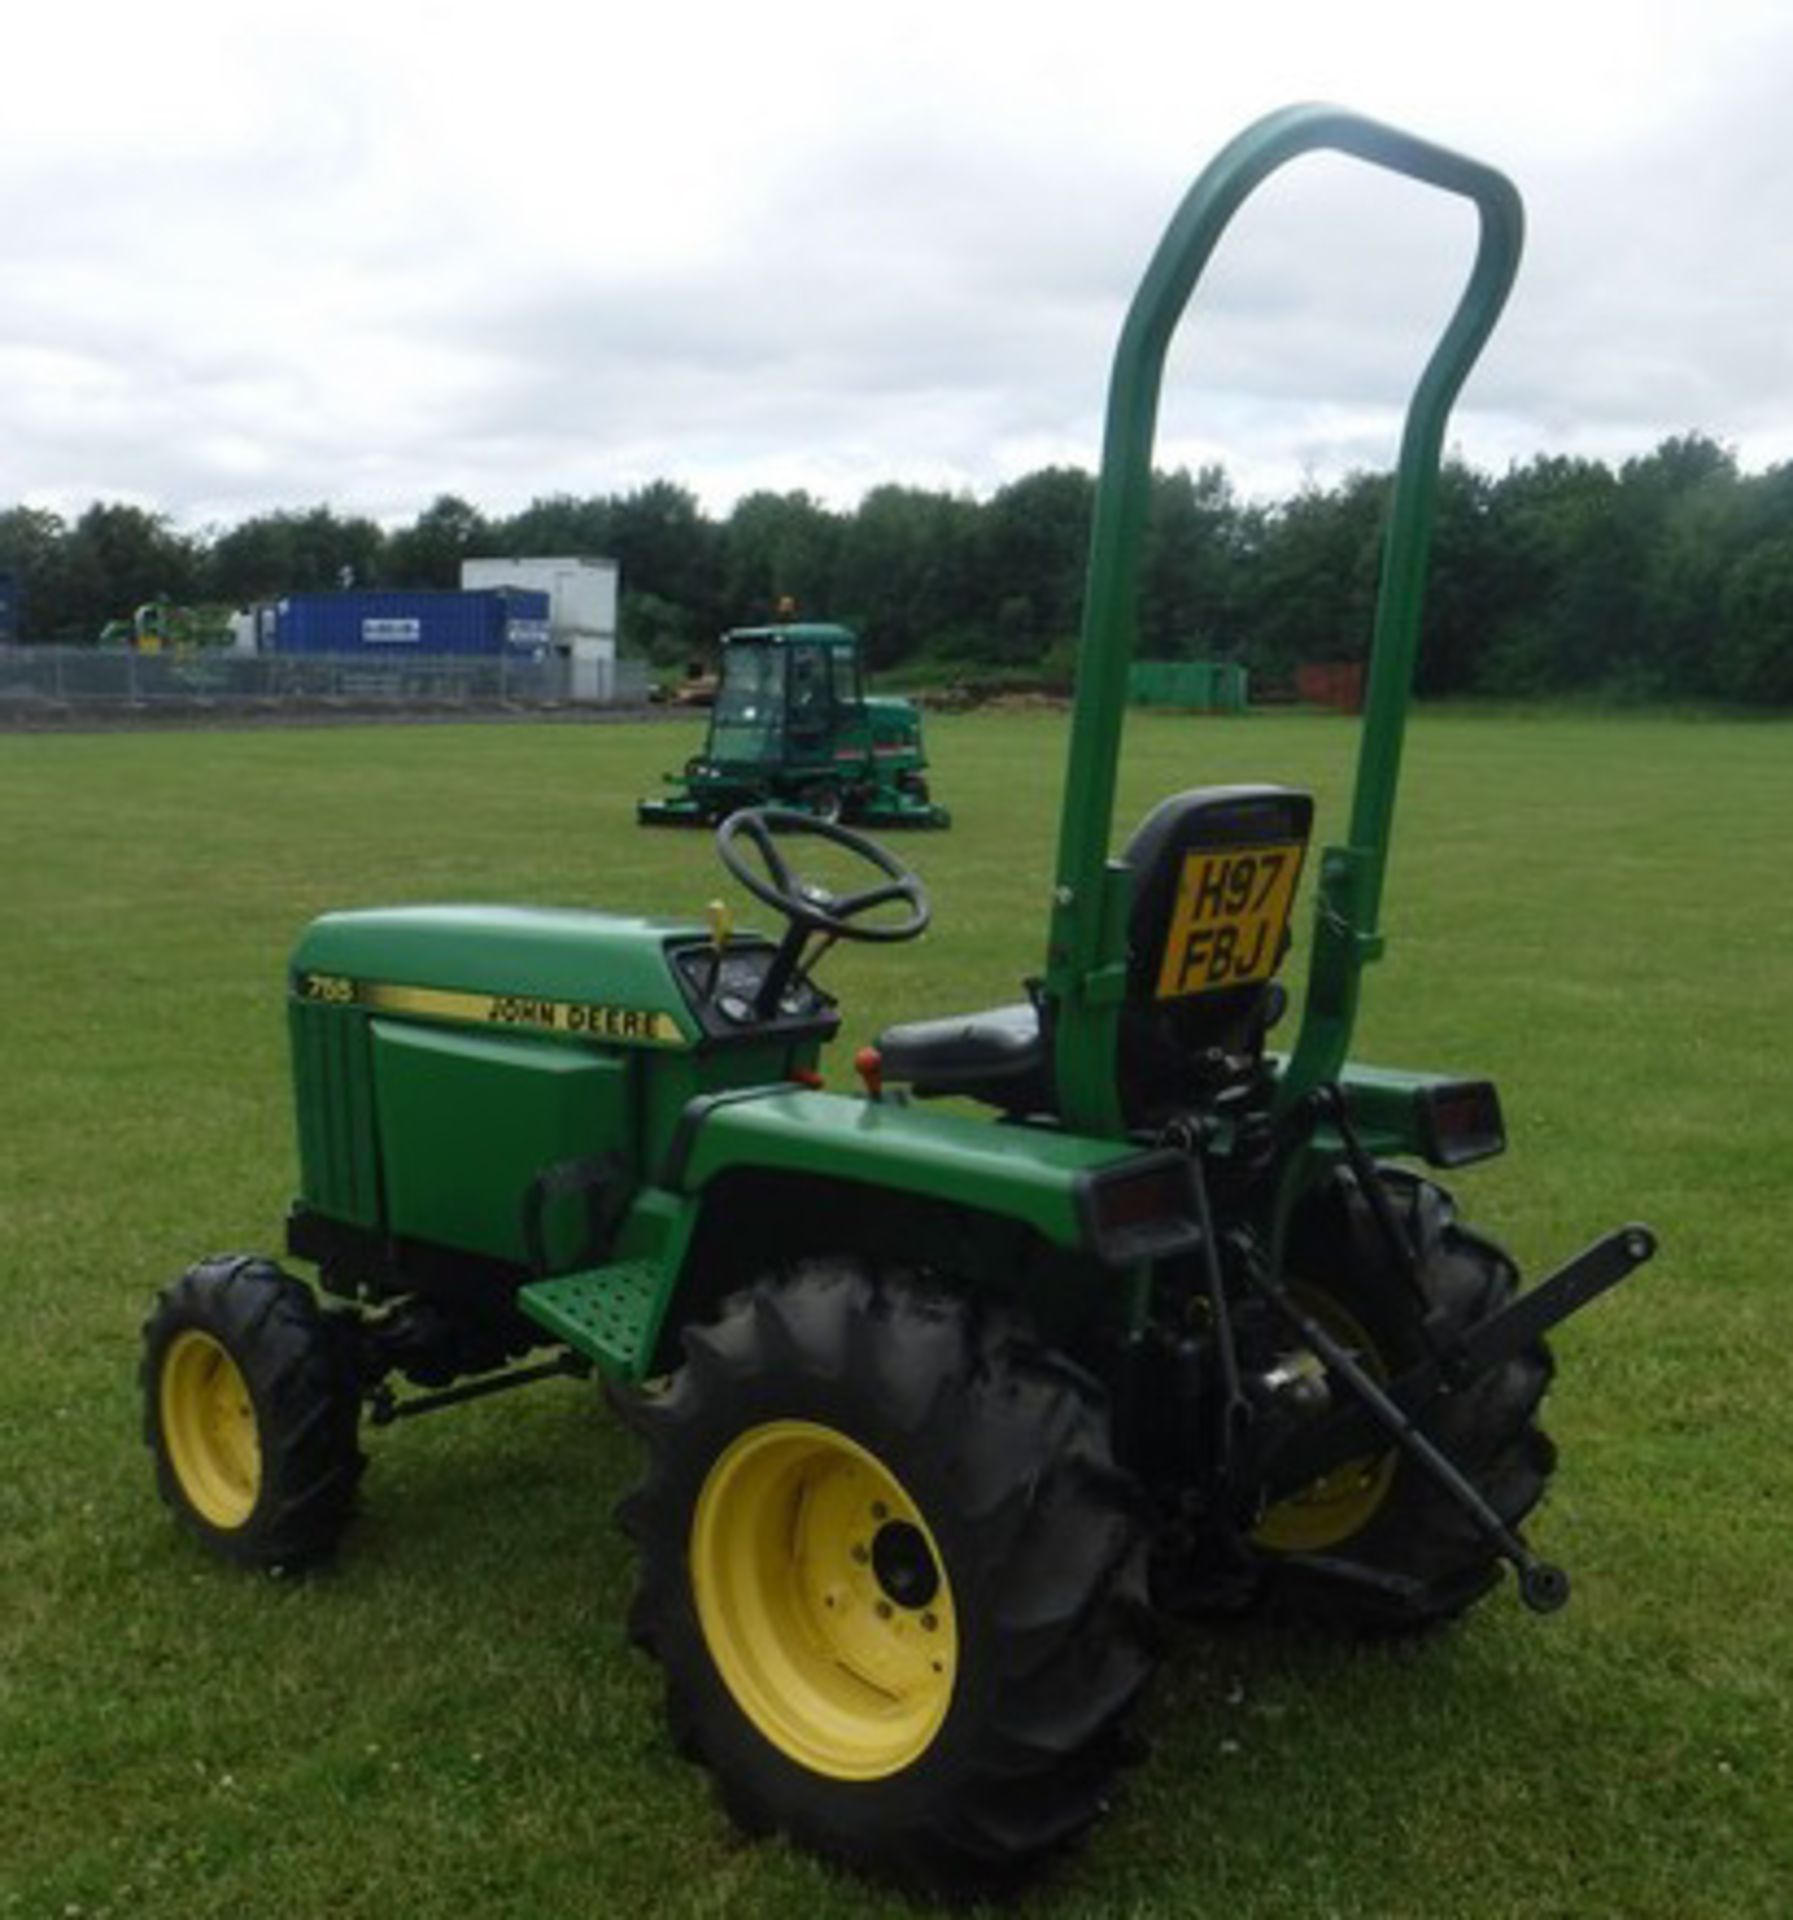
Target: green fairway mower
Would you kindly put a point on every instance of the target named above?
(793, 726)
(943, 1411)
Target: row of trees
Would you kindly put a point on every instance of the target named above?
(1669, 578)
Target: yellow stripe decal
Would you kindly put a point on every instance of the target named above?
(583, 1019)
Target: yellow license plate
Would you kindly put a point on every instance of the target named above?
(1231, 913)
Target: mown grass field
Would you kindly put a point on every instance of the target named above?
(450, 1722)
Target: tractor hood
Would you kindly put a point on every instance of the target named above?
(587, 975)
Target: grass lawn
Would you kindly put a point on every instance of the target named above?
(450, 1722)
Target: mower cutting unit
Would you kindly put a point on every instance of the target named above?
(941, 1414)
(792, 725)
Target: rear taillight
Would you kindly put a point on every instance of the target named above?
(1141, 1209)
(1460, 1121)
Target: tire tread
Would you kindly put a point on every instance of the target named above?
(1020, 1439)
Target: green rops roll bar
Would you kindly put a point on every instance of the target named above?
(1086, 951)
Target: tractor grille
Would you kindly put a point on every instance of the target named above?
(333, 1088)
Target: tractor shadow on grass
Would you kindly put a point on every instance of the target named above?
(1289, 1770)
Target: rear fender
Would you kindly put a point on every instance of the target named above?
(1071, 1224)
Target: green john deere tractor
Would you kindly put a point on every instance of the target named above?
(792, 725)
(941, 1414)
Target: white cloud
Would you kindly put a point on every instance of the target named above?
(271, 255)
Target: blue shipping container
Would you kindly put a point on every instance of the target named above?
(9, 610)
(403, 620)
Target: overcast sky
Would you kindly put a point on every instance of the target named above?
(262, 254)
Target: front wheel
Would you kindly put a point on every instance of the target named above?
(250, 1404)
(893, 1575)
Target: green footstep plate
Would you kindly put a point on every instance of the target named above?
(609, 1314)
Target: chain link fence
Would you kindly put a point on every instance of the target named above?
(50, 680)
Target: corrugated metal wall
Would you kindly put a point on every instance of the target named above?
(1331, 683)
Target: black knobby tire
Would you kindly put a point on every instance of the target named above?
(1003, 1447)
(1408, 1556)
(283, 1499)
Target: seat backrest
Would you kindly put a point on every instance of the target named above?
(1214, 877)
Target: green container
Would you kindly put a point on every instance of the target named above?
(1201, 686)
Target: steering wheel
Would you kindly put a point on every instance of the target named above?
(807, 905)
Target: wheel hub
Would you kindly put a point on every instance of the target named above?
(904, 1565)
(208, 1422)
(823, 1600)
(1340, 1504)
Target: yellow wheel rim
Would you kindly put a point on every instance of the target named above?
(208, 1427)
(824, 1601)
(1341, 1503)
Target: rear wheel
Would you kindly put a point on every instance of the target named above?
(892, 1574)
(250, 1401)
(825, 800)
(1376, 1543)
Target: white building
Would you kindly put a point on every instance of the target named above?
(581, 611)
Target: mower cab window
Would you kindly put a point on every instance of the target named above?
(809, 691)
(749, 711)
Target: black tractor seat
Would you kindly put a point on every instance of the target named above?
(1198, 862)
(998, 1056)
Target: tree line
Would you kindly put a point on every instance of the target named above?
(1669, 577)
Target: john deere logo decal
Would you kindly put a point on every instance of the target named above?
(583, 1019)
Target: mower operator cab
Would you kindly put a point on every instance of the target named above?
(1214, 874)
(781, 690)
